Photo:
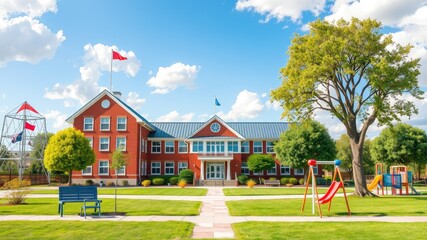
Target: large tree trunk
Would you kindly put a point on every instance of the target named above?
(359, 176)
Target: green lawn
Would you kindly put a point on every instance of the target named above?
(329, 230)
(261, 191)
(131, 207)
(102, 230)
(173, 191)
(369, 206)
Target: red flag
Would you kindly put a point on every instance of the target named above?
(29, 126)
(117, 55)
(26, 106)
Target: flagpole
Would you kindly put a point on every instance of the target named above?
(111, 72)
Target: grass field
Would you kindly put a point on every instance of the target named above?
(103, 230)
(328, 230)
(175, 191)
(369, 206)
(131, 207)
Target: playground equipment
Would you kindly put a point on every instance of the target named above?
(398, 178)
(332, 190)
(20, 127)
(378, 180)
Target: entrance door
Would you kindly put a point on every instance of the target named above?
(215, 171)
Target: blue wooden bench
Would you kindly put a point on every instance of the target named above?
(84, 194)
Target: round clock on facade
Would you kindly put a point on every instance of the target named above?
(105, 103)
(215, 127)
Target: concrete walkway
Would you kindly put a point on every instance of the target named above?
(214, 220)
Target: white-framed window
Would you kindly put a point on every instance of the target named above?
(245, 169)
(272, 171)
(257, 146)
(233, 146)
(155, 168)
(88, 124)
(121, 123)
(169, 168)
(270, 147)
(121, 142)
(215, 146)
(182, 166)
(104, 144)
(103, 167)
(245, 147)
(169, 147)
(182, 147)
(90, 141)
(156, 147)
(121, 171)
(299, 171)
(315, 170)
(87, 171)
(142, 145)
(105, 124)
(285, 170)
(144, 168)
(197, 146)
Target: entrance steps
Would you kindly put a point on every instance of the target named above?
(217, 183)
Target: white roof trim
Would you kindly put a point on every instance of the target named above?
(113, 98)
(215, 117)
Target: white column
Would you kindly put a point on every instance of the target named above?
(202, 170)
(228, 170)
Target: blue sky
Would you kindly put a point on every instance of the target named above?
(181, 54)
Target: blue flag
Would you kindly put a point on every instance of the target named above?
(17, 137)
(217, 103)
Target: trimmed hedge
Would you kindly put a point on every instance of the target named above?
(165, 177)
(186, 174)
(158, 181)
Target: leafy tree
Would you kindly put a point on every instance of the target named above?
(39, 144)
(260, 162)
(68, 150)
(118, 160)
(301, 142)
(354, 72)
(401, 144)
(345, 155)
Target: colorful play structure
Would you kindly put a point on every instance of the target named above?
(398, 178)
(332, 190)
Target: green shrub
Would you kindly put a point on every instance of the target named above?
(186, 174)
(173, 180)
(125, 183)
(158, 181)
(242, 178)
(321, 181)
(293, 181)
(165, 177)
(88, 182)
(284, 181)
(301, 181)
(272, 178)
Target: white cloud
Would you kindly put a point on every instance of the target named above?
(169, 78)
(97, 59)
(280, 9)
(174, 116)
(58, 119)
(389, 12)
(24, 38)
(134, 100)
(248, 105)
(275, 105)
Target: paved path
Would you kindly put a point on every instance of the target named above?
(214, 220)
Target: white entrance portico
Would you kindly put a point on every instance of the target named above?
(216, 168)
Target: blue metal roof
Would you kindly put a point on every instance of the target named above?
(249, 130)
